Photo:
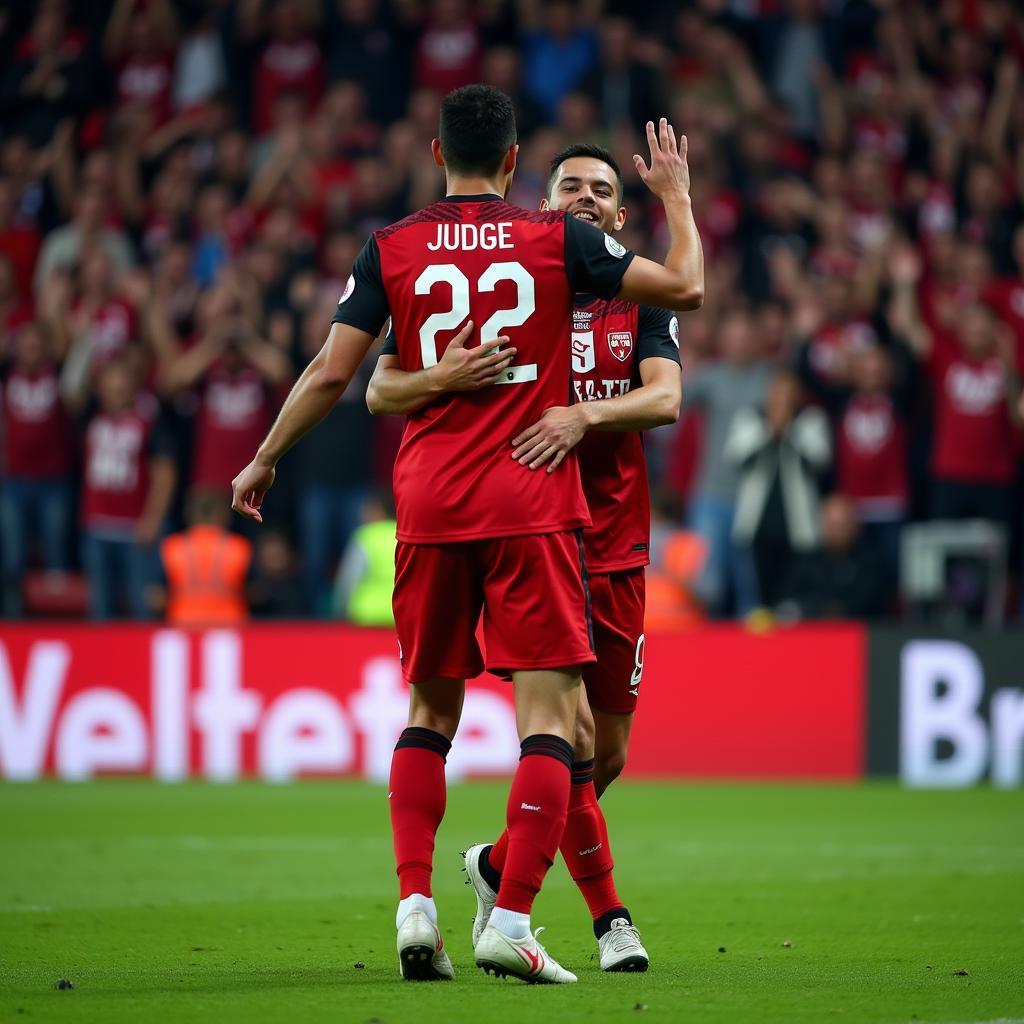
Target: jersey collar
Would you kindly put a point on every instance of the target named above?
(484, 198)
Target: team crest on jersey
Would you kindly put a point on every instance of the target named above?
(350, 287)
(621, 344)
(673, 330)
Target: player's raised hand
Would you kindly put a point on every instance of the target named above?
(466, 369)
(668, 177)
(550, 439)
(250, 487)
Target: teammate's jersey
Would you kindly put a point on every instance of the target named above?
(513, 272)
(609, 341)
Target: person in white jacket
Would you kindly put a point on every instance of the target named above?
(780, 451)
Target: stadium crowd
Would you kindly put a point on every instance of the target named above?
(184, 185)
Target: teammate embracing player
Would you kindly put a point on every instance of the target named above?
(626, 378)
(479, 533)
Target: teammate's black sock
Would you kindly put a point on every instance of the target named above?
(604, 923)
(491, 877)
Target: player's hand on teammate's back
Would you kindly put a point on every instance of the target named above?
(551, 438)
(466, 369)
(249, 488)
(668, 177)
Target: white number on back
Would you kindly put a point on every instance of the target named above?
(502, 319)
(450, 274)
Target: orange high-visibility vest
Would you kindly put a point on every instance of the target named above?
(206, 569)
(671, 607)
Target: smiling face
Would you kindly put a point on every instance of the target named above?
(587, 189)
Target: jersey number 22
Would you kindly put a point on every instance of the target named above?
(450, 274)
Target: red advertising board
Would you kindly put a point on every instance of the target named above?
(307, 699)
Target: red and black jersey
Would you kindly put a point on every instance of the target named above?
(119, 450)
(37, 432)
(513, 272)
(610, 339)
(871, 456)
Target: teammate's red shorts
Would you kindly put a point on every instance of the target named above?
(617, 614)
(532, 591)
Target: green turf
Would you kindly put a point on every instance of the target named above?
(255, 903)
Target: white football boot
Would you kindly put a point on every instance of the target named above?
(421, 955)
(621, 949)
(526, 958)
(485, 895)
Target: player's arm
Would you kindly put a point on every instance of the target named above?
(561, 428)
(655, 403)
(362, 312)
(393, 390)
(679, 282)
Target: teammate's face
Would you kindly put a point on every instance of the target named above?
(586, 188)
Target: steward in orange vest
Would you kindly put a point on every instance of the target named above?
(206, 566)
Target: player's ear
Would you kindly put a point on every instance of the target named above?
(510, 158)
(544, 204)
(435, 152)
(620, 218)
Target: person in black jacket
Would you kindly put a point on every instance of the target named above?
(842, 579)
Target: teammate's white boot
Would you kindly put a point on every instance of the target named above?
(421, 955)
(523, 958)
(485, 895)
(621, 948)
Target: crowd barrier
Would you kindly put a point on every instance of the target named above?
(831, 701)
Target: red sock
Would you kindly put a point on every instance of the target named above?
(417, 795)
(498, 853)
(585, 844)
(537, 805)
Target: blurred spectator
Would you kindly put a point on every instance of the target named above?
(288, 58)
(275, 591)
(799, 62)
(139, 42)
(333, 472)
(14, 311)
(624, 88)
(19, 243)
(64, 246)
(449, 44)
(206, 566)
(560, 47)
(366, 575)
(781, 452)
(239, 377)
(503, 68)
(36, 493)
(843, 579)
(870, 408)
(49, 76)
(199, 71)
(367, 44)
(975, 392)
(128, 483)
(722, 390)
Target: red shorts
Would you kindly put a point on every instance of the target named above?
(532, 591)
(617, 613)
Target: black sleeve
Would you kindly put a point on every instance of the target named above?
(162, 442)
(657, 334)
(364, 303)
(594, 261)
(390, 346)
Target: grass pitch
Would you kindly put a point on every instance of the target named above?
(276, 903)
